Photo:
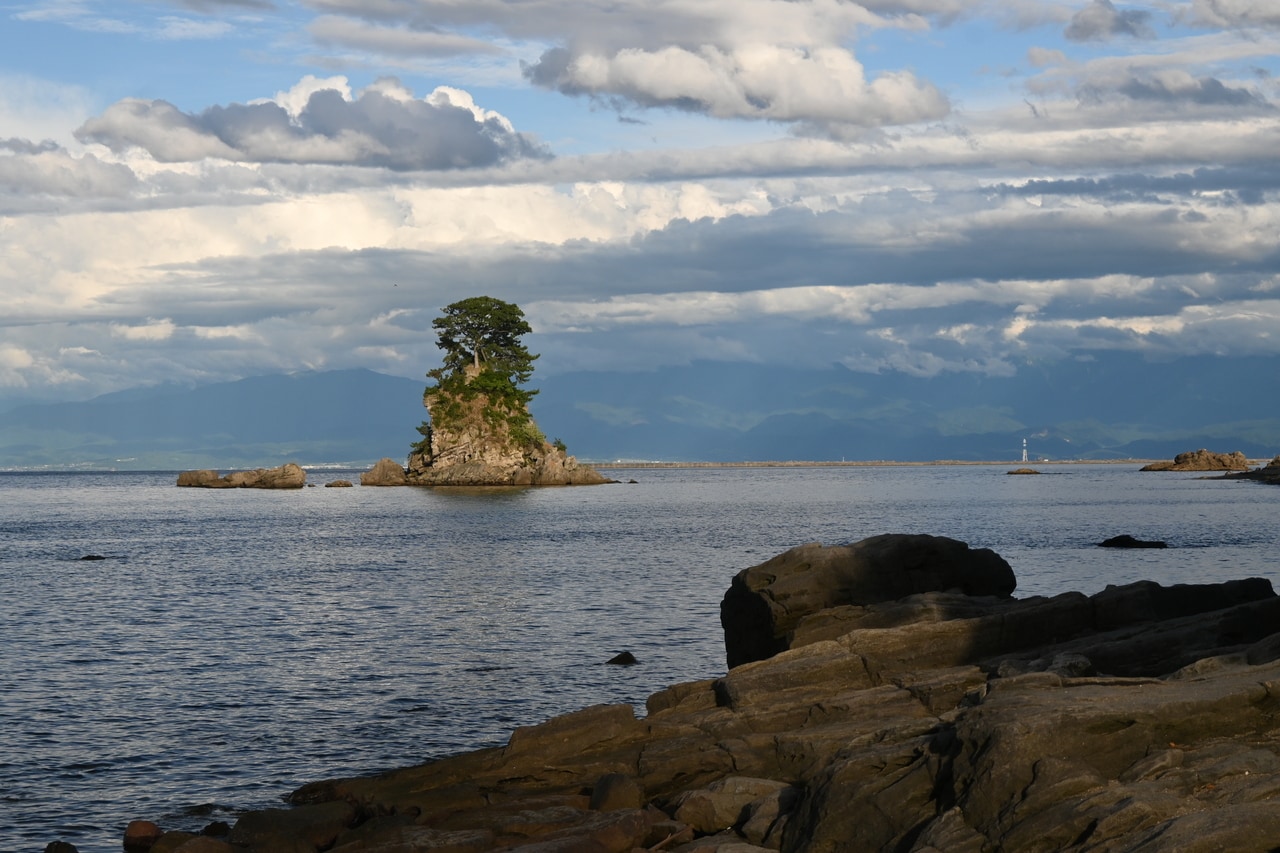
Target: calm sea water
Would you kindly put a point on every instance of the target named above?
(236, 644)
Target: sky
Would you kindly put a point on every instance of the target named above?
(202, 190)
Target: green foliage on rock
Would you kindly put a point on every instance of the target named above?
(483, 357)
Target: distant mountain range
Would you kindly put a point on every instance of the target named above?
(1114, 407)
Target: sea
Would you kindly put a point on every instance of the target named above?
(231, 646)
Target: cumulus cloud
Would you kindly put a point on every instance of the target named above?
(823, 85)
(383, 126)
(1101, 20)
(785, 61)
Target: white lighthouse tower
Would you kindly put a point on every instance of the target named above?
(1024, 450)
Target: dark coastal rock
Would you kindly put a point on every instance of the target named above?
(1202, 460)
(1124, 540)
(766, 602)
(623, 659)
(60, 847)
(1140, 718)
(1269, 473)
(287, 476)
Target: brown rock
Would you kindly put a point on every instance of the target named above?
(140, 835)
(287, 476)
(338, 484)
(1202, 460)
(385, 472)
(316, 825)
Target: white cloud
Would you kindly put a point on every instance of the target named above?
(380, 127)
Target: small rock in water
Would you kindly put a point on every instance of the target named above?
(623, 659)
(93, 557)
(1126, 541)
(60, 847)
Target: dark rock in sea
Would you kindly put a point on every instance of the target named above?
(93, 557)
(60, 847)
(1023, 471)
(1142, 717)
(338, 484)
(287, 476)
(764, 604)
(1124, 540)
(1202, 460)
(623, 659)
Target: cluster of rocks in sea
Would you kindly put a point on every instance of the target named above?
(287, 476)
(888, 695)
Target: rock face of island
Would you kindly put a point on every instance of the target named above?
(1202, 460)
(476, 439)
(952, 718)
(287, 476)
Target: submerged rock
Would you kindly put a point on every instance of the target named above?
(1124, 540)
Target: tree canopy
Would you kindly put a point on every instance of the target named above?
(485, 333)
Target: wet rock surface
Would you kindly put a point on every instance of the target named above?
(893, 717)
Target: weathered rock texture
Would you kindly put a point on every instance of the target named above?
(1202, 460)
(812, 584)
(386, 472)
(1143, 718)
(1269, 473)
(476, 445)
(287, 476)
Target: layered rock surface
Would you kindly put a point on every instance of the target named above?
(287, 476)
(916, 707)
(1202, 460)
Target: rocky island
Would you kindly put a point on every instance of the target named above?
(480, 431)
(1202, 460)
(888, 695)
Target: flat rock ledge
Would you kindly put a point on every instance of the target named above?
(1269, 473)
(900, 699)
(1202, 460)
(287, 476)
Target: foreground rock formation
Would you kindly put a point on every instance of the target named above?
(287, 476)
(902, 701)
(1202, 460)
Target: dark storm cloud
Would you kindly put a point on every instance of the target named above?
(374, 129)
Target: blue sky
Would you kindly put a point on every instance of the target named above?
(200, 190)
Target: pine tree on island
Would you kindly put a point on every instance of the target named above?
(480, 431)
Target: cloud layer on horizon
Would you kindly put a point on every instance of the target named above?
(1120, 189)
